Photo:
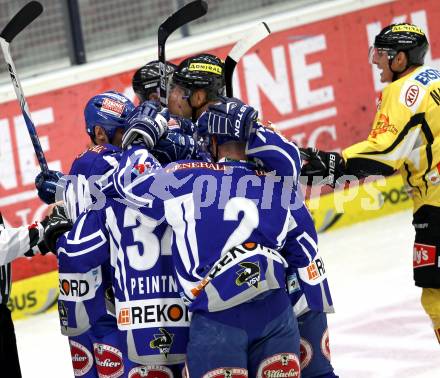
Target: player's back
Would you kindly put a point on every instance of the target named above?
(228, 219)
(89, 171)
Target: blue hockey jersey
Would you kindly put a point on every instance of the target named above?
(89, 171)
(308, 286)
(229, 220)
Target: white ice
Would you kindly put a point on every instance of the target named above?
(379, 329)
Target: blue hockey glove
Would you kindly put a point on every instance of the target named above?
(146, 130)
(47, 185)
(230, 118)
(174, 146)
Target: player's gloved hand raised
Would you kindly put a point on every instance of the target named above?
(327, 165)
(230, 117)
(145, 129)
(58, 223)
(47, 184)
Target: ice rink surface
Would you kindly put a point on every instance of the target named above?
(379, 329)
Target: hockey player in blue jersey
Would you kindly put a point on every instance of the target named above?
(100, 161)
(228, 285)
(258, 273)
(94, 343)
(196, 84)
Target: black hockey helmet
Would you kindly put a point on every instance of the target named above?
(403, 37)
(146, 79)
(202, 71)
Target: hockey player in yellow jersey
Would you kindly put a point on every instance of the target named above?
(405, 137)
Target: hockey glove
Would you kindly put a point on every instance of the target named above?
(57, 225)
(47, 184)
(327, 165)
(230, 117)
(175, 146)
(146, 130)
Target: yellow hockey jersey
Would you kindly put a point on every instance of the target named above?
(405, 136)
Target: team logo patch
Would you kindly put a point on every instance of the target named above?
(411, 95)
(162, 341)
(62, 312)
(226, 373)
(433, 176)
(383, 126)
(424, 255)
(250, 274)
(280, 366)
(112, 107)
(306, 353)
(82, 359)
(141, 168)
(325, 345)
(293, 283)
(150, 372)
(108, 361)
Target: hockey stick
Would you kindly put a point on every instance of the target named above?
(20, 21)
(189, 12)
(254, 36)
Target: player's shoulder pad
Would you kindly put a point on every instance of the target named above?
(92, 162)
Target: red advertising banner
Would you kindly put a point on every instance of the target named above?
(314, 82)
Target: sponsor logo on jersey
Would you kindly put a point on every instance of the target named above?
(97, 149)
(279, 366)
(428, 75)
(293, 283)
(141, 168)
(383, 126)
(325, 345)
(76, 287)
(82, 359)
(433, 176)
(112, 107)
(196, 165)
(150, 372)
(164, 312)
(305, 353)
(424, 255)
(108, 359)
(62, 312)
(411, 95)
(250, 274)
(227, 373)
(315, 269)
(205, 67)
(162, 341)
(231, 258)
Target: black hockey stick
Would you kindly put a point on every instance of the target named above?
(254, 36)
(189, 12)
(20, 21)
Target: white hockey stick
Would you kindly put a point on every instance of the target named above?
(20, 21)
(252, 37)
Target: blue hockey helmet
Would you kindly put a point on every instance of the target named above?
(108, 110)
